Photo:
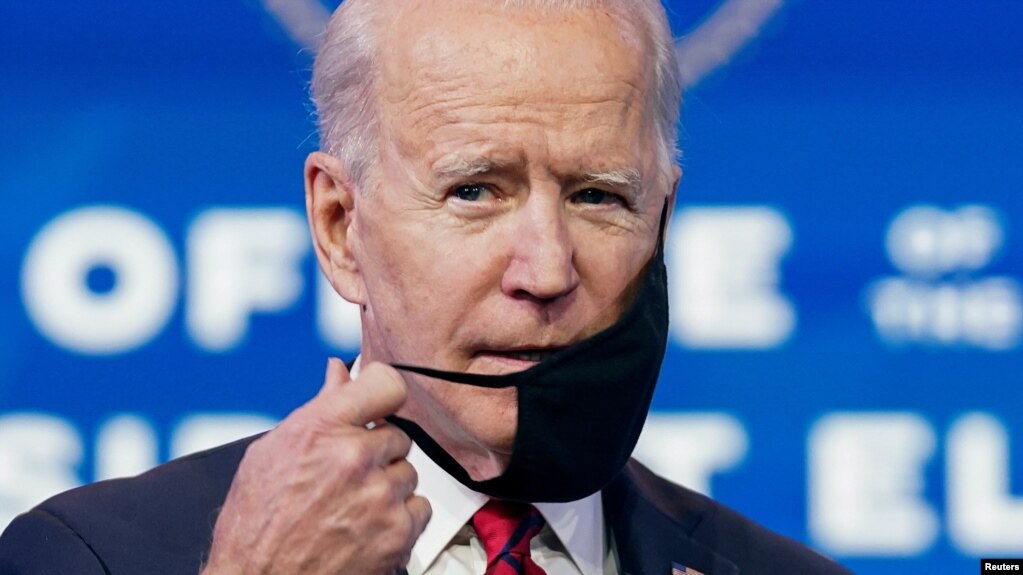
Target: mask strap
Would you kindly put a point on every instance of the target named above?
(661, 228)
(476, 379)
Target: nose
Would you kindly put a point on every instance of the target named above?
(542, 266)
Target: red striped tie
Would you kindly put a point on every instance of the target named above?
(505, 528)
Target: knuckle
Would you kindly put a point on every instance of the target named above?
(404, 530)
(403, 481)
(347, 411)
(427, 510)
(354, 455)
(413, 476)
(419, 511)
(398, 440)
(380, 494)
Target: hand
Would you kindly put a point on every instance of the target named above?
(321, 493)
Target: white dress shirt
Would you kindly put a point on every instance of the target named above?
(573, 541)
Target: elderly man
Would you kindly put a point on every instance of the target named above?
(493, 191)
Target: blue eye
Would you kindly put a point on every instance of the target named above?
(469, 192)
(595, 196)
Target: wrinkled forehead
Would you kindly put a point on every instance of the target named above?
(609, 20)
(526, 54)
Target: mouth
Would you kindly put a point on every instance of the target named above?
(518, 357)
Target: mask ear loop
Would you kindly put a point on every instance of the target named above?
(661, 229)
(478, 380)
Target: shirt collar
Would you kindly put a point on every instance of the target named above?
(453, 506)
(578, 524)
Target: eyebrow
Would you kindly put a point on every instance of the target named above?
(462, 167)
(467, 167)
(624, 177)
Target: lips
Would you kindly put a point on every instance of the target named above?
(534, 355)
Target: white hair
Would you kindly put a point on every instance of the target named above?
(344, 78)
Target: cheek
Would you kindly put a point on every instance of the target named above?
(608, 267)
(425, 281)
(609, 274)
(397, 281)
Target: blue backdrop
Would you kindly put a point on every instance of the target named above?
(845, 258)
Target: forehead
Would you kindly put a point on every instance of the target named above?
(467, 32)
(463, 65)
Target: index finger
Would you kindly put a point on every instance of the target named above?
(378, 391)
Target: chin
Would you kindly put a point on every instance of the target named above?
(476, 425)
(489, 420)
(484, 441)
(484, 468)
(493, 416)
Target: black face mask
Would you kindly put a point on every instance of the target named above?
(580, 411)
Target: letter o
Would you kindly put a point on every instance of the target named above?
(915, 240)
(61, 304)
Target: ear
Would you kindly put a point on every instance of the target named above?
(330, 200)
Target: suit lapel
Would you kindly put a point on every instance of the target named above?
(647, 538)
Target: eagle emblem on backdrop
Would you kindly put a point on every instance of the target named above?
(710, 43)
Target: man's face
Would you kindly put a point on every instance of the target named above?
(515, 200)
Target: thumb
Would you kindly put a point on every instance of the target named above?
(337, 374)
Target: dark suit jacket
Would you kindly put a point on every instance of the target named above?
(161, 522)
